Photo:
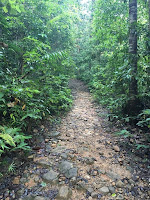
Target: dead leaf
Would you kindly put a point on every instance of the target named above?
(23, 107)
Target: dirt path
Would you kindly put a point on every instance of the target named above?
(79, 159)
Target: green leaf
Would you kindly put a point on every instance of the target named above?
(113, 195)
(1, 95)
(18, 9)
(8, 139)
(142, 146)
(147, 111)
(30, 95)
(5, 9)
(31, 115)
(43, 184)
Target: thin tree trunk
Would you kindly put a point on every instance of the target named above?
(133, 103)
(149, 13)
(149, 29)
(133, 48)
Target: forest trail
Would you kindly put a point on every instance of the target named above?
(78, 159)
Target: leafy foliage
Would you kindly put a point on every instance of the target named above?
(103, 57)
(35, 65)
(144, 118)
(12, 139)
(125, 133)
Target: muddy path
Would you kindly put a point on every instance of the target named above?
(80, 159)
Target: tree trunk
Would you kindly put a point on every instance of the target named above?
(133, 91)
(133, 48)
(149, 29)
(149, 13)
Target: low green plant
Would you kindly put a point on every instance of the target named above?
(138, 146)
(11, 167)
(144, 118)
(124, 133)
(12, 139)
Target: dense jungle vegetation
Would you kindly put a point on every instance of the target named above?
(45, 42)
(113, 57)
(36, 40)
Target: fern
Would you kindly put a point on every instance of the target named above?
(11, 167)
(13, 139)
(8, 139)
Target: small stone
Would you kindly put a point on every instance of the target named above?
(29, 197)
(120, 161)
(131, 181)
(6, 194)
(42, 127)
(64, 193)
(39, 198)
(22, 180)
(129, 187)
(63, 178)
(104, 190)
(113, 175)
(113, 183)
(31, 157)
(54, 145)
(82, 186)
(116, 148)
(46, 140)
(90, 198)
(90, 190)
(107, 142)
(43, 163)
(103, 171)
(72, 157)
(112, 189)
(30, 183)
(87, 177)
(73, 180)
(64, 155)
(120, 197)
(36, 179)
(132, 141)
(72, 173)
(35, 131)
(89, 161)
(119, 184)
(48, 148)
(55, 134)
(95, 173)
(97, 186)
(68, 134)
(65, 166)
(16, 181)
(94, 195)
(50, 176)
(20, 192)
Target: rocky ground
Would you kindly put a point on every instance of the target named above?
(80, 159)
